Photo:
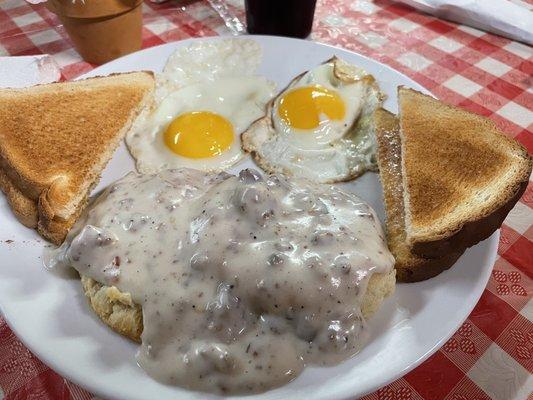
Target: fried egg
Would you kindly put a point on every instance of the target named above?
(206, 97)
(319, 127)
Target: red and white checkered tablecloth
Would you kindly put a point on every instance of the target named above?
(491, 355)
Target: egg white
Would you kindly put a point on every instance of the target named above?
(337, 150)
(240, 100)
(215, 76)
(208, 60)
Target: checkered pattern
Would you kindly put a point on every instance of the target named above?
(490, 356)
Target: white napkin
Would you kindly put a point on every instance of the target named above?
(509, 18)
(16, 72)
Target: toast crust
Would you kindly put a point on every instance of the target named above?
(55, 139)
(55, 229)
(28, 213)
(24, 208)
(462, 175)
(409, 266)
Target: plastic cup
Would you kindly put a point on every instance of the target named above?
(280, 17)
(101, 30)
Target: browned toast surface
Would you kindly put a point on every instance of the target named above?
(461, 175)
(409, 266)
(55, 139)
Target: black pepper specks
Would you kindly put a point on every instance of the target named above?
(276, 259)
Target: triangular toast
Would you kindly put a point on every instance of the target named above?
(55, 139)
(409, 266)
(461, 175)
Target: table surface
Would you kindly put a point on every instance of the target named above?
(490, 356)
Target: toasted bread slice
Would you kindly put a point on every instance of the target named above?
(24, 208)
(26, 211)
(461, 175)
(409, 267)
(55, 140)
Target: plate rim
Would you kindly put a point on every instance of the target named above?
(91, 384)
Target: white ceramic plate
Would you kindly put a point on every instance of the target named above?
(50, 314)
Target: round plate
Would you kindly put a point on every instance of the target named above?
(50, 314)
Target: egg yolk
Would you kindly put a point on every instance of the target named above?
(301, 108)
(199, 134)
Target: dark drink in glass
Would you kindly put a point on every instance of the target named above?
(280, 17)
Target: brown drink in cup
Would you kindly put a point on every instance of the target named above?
(280, 17)
(101, 30)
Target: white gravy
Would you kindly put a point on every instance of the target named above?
(242, 280)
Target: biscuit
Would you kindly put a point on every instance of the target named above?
(120, 313)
